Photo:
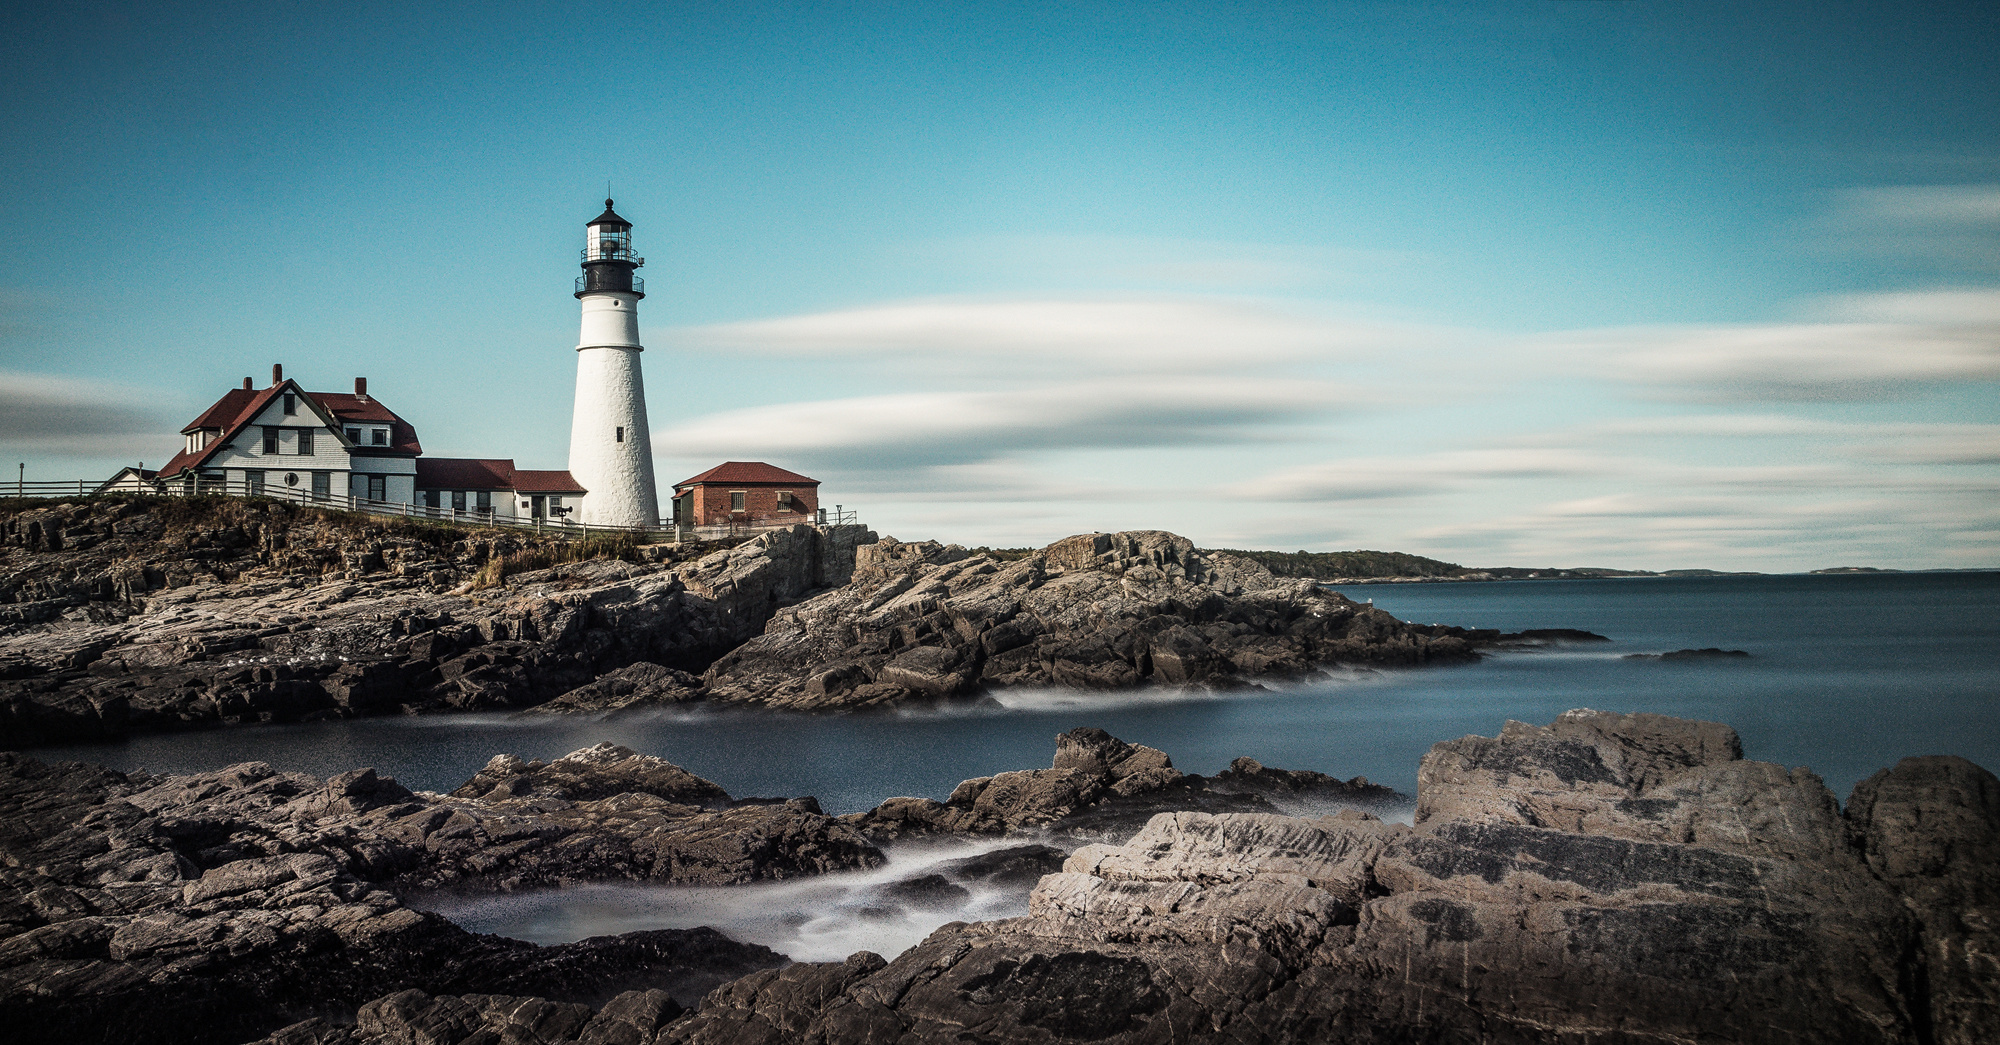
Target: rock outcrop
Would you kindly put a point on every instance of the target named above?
(1101, 788)
(218, 906)
(123, 616)
(1607, 878)
(923, 622)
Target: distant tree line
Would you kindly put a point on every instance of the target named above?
(1329, 565)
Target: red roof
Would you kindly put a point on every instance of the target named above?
(748, 472)
(350, 407)
(246, 405)
(464, 473)
(238, 405)
(225, 411)
(527, 481)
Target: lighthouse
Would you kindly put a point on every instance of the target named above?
(610, 448)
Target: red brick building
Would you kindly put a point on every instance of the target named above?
(745, 493)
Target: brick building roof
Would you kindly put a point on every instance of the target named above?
(747, 473)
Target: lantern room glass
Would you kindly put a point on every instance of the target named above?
(610, 243)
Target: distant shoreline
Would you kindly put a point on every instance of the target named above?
(1483, 576)
(1378, 567)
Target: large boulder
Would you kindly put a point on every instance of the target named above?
(924, 621)
(1604, 878)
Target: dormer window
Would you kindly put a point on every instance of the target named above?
(380, 437)
(354, 436)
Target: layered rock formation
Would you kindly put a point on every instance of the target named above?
(121, 616)
(217, 906)
(1097, 611)
(1607, 878)
(154, 613)
(1101, 788)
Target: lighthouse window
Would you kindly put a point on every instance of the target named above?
(621, 433)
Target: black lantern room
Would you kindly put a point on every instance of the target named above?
(608, 260)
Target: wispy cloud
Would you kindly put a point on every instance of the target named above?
(1918, 337)
(73, 417)
(1174, 334)
(946, 427)
(1930, 227)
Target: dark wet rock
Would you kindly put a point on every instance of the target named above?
(635, 687)
(924, 622)
(413, 1016)
(1708, 653)
(1016, 867)
(925, 892)
(219, 906)
(593, 773)
(1305, 790)
(1551, 636)
(1930, 827)
(1100, 788)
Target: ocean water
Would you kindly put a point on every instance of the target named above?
(1846, 675)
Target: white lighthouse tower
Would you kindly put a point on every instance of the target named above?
(610, 447)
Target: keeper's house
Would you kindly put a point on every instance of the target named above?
(287, 441)
(745, 493)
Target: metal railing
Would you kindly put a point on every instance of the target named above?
(66, 489)
(583, 286)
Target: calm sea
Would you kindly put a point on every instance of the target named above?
(1846, 675)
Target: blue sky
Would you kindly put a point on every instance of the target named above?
(1578, 282)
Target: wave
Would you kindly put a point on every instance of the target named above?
(823, 918)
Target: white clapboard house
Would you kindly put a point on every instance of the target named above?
(286, 441)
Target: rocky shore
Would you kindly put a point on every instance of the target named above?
(1613, 878)
(122, 616)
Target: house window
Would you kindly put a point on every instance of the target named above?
(271, 440)
(381, 437)
(256, 480)
(430, 498)
(291, 404)
(785, 501)
(378, 488)
(305, 442)
(458, 500)
(735, 500)
(621, 433)
(354, 436)
(322, 484)
(483, 501)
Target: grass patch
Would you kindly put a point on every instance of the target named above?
(622, 546)
(1004, 554)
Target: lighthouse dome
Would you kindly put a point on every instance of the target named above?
(609, 217)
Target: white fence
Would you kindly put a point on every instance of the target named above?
(66, 489)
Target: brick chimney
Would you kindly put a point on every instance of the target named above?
(246, 384)
(360, 388)
(277, 374)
